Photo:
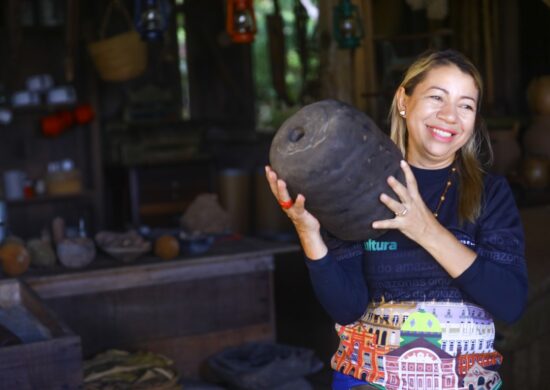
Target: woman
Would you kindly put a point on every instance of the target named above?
(417, 313)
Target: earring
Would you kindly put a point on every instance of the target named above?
(402, 113)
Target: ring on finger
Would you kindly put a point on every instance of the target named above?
(286, 204)
(403, 212)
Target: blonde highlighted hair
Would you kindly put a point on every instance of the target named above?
(468, 158)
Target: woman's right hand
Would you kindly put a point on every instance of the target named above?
(307, 226)
(303, 220)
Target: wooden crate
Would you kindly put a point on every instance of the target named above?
(50, 356)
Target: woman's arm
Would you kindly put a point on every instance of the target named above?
(500, 287)
(336, 275)
(339, 283)
(497, 279)
(306, 225)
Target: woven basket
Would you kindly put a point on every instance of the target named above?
(120, 57)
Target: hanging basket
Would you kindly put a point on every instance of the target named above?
(120, 57)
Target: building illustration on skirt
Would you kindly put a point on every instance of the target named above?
(425, 345)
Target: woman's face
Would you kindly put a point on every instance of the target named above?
(440, 116)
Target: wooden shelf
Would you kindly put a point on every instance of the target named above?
(42, 109)
(81, 196)
(414, 36)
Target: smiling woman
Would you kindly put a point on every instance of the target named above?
(417, 305)
(440, 114)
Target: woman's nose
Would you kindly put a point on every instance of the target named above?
(447, 113)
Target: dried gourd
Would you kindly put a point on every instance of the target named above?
(167, 247)
(15, 258)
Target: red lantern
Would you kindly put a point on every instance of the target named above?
(83, 114)
(66, 118)
(52, 125)
(241, 22)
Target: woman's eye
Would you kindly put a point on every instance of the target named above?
(435, 97)
(468, 107)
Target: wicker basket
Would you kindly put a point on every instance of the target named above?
(120, 57)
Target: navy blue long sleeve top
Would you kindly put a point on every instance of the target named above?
(394, 268)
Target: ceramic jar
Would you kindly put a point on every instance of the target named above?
(338, 158)
(506, 150)
(536, 140)
(536, 172)
(538, 95)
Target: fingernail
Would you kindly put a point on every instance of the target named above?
(403, 163)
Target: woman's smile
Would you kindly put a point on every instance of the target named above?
(442, 134)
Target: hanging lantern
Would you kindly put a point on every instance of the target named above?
(152, 18)
(347, 26)
(241, 22)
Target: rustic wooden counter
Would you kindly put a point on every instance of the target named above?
(187, 308)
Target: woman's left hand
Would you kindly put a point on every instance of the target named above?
(412, 216)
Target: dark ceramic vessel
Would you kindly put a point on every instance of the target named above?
(338, 158)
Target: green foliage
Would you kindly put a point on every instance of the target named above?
(272, 111)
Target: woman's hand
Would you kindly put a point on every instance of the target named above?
(416, 221)
(307, 226)
(300, 217)
(412, 216)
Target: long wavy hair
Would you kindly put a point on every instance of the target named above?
(468, 160)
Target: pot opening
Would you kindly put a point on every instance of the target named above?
(296, 134)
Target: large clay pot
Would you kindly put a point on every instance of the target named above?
(536, 139)
(538, 95)
(506, 150)
(339, 160)
(536, 172)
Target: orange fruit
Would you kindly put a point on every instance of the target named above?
(15, 258)
(167, 247)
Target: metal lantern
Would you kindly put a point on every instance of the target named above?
(347, 26)
(241, 22)
(152, 18)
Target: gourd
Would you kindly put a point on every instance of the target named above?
(167, 247)
(15, 258)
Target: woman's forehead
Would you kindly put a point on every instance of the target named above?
(449, 78)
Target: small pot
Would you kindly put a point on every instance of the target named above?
(536, 172)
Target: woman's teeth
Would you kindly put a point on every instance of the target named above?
(441, 132)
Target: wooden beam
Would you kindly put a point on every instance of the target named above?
(488, 46)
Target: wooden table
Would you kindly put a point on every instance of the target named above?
(187, 308)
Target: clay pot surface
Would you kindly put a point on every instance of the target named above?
(536, 139)
(538, 95)
(536, 172)
(506, 150)
(338, 158)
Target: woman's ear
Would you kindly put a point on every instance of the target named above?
(401, 99)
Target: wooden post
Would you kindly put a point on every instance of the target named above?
(335, 62)
(365, 64)
(488, 45)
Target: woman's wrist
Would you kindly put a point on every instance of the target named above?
(313, 244)
(450, 253)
